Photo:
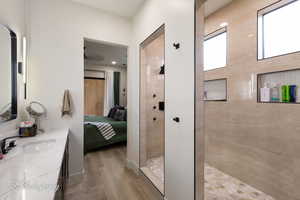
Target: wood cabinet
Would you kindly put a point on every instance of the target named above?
(64, 175)
(94, 91)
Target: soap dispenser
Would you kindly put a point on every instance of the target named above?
(265, 93)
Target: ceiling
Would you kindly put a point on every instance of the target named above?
(212, 6)
(128, 8)
(124, 8)
(103, 54)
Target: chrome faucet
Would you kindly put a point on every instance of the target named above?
(3, 144)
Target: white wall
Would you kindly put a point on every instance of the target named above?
(123, 78)
(178, 17)
(12, 14)
(57, 29)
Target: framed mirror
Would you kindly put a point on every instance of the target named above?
(8, 74)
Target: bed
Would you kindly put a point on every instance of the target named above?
(93, 140)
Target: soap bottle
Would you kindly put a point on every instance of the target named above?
(275, 93)
(265, 94)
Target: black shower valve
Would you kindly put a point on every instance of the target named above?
(162, 70)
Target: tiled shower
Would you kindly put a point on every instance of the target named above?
(152, 116)
(251, 131)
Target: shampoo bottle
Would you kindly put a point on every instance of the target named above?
(293, 91)
(285, 93)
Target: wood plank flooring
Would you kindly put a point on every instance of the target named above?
(106, 177)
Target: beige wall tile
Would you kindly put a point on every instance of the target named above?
(152, 132)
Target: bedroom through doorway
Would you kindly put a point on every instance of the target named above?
(105, 95)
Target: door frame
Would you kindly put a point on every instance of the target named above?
(199, 101)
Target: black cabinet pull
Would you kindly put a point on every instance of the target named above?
(154, 118)
(176, 119)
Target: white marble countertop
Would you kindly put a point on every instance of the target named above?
(31, 170)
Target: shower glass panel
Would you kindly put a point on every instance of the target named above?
(152, 115)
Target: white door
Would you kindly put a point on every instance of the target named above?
(179, 94)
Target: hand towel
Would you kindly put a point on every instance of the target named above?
(66, 108)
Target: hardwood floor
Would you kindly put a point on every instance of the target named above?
(106, 177)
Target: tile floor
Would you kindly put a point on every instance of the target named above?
(154, 171)
(218, 185)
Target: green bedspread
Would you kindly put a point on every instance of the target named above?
(93, 139)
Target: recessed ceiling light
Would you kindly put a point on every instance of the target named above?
(224, 24)
(114, 62)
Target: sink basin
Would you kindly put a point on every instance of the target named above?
(40, 146)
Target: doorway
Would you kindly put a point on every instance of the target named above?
(152, 115)
(105, 95)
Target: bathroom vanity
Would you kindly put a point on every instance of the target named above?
(37, 168)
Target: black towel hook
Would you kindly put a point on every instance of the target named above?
(176, 119)
(176, 45)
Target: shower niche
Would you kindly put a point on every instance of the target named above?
(215, 90)
(152, 105)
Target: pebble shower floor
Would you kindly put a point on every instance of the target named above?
(218, 185)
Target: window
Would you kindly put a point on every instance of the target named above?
(215, 50)
(278, 29)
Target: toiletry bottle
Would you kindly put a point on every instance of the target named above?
(205, 95)
(293, 90)
(298, 94)
(275, 94)
(265, 94)
(285, 90)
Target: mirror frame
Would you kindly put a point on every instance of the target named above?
(14, 66)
